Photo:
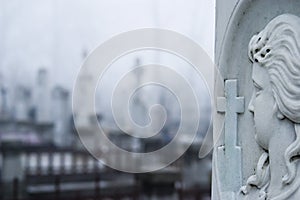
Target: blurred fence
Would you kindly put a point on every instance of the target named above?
(35, 173)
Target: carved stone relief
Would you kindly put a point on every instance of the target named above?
(257, 52)
(275, 105)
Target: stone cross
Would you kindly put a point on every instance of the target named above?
(229, 154)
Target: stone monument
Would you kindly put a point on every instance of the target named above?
(258, 55)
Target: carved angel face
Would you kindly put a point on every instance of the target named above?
(263, 106)
(274, 52)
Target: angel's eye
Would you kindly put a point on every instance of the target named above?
(257, 92)
(258, 89)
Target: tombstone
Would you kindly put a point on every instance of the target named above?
(258, 55)
(43, 97)
(4, 106)
(22, 103)
(3, 98)
(1, 93)
(61, 113)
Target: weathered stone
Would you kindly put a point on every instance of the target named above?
(258, 45)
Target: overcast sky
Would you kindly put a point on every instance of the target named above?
(56, 33)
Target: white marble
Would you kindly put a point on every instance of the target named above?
(259, 49)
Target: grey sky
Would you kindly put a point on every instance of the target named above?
(55, 33)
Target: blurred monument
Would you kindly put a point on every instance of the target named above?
(3, 99)
(61, 115)
(42, 100)
(83, 115)
(22, 103)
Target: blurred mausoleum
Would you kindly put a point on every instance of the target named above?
(36, 116)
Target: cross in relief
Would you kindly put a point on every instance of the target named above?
(229, 154)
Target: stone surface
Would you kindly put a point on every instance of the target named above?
(258, 42)
(229, 154)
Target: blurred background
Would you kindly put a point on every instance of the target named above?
(42, 47)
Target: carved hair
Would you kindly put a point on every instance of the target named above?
(277, 47)
(261, 179)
